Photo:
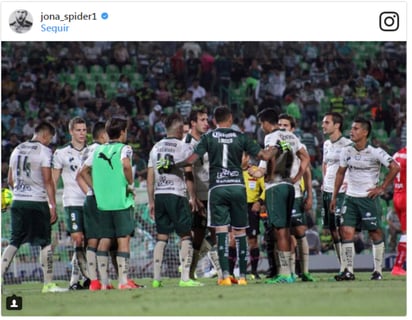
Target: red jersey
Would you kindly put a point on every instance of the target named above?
(399, 182)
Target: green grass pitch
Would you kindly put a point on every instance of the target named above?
(325, 297)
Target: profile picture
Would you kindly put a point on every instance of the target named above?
(21, 21)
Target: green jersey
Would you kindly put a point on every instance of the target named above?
(109, 181)
(225, 147)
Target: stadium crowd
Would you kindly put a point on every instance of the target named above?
(57, 81)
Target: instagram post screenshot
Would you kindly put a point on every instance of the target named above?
(204, 158)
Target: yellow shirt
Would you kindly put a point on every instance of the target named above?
(255, 187)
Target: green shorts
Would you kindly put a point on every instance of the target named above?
(364, 213)
(298, 213)
(279, 204)
(117, 223)
(30, 223)
(331, 220)
(172, 214)
(92, 218)
(227, 206)
(74, 219)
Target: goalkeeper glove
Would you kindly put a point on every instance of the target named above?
(283, 146)
(164, 165)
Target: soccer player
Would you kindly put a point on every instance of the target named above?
(199, 125)
(92, 215)
(112, 182)
(332, 126)
(301, 203)
(280, 193)
(67, 160)
(361, 203)
(33, 209)
(399, 203)
(168, 201)
(227, 196)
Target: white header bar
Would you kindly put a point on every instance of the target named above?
(208, 21)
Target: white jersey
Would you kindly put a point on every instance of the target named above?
(363, 168)
(26, 162)
(331, 158)
(173, 182)
(293, 173)
(271, 140)
(88, 159)
(69, 160)
(200, 170)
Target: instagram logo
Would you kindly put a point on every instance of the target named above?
(389, 21)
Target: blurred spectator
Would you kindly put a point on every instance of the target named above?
(326, 240)
(197, 90)
(394, 229)
(312, 236)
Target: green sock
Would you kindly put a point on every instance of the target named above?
(222, 249)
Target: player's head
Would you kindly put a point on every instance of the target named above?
(361, 129)
(332, 121)
(268, 119)
(286, 122)
(174, 125)
(21, 15)
(223, 114)
(44, 132)
(78, 129)
(99, 132)
(116, 127)
(198, 120)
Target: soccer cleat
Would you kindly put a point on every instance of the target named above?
(306, 276)
(346, 275)
(76, 286)
(52, 287)
(86, 283)
(255, 276)
(132, 283)
(242, 282)
(225, 282)
(376, 276)
(190, 283)
(157, 284)
(398, 271)
(95, 285)
(107, 287)
(233, 279)
(281, 278)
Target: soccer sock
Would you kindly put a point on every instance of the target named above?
(378, 250)
(75, 270)
(91, 262)
(284, 262)
(222, 250)
(122, 259)
(338, 249)
(303, 249)
(232, 259)
(102, 258)
(81, 259)
(158, 258)
(401, 256)
(214, 259)
(271, 257)
(6, 258)
(46, 262)
(186, 252)
(195, 261)
(241, 245)
(254, 259)
(293, 262)
(347, 255)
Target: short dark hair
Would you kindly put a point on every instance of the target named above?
(270, 115)
(45, 126)
(195, 112)
(97, 129)
(336, 118)
(222, 114)
(288, 117)
(365, 124)
(115, 125)
(172, 120)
